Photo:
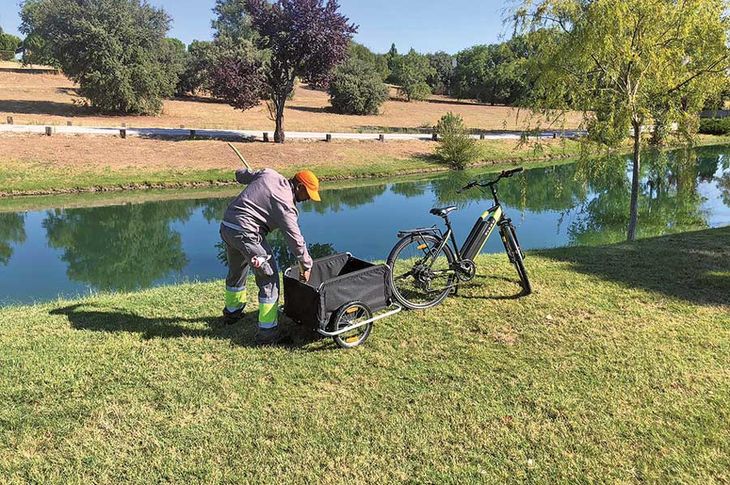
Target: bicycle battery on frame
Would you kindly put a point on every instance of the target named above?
(480, 233)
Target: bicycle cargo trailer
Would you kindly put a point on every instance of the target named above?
(340, 298)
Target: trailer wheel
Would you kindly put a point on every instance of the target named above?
(351, 314)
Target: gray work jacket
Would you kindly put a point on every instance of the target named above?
(267, 203)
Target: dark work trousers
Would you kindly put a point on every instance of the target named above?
(240, 248)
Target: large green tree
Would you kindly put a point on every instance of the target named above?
(443, 71)
(411, 73)
(8, 45)
(495, 74)
(195, 76)
(617, 59)
(379, 62)
(174, 55)
(112, 48)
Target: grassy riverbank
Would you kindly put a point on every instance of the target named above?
(616, 369)
(38, 165)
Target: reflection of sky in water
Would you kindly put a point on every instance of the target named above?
(181, 236)
(718, 213)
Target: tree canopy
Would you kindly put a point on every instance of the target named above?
(410, 73)
(302, 39)
(357, 88)
(625, 63)
(112, 48)
(8, 45)
(495, 74)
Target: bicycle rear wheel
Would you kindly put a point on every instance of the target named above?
(421, 276)
(516, 256)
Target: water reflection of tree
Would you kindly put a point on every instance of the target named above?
(557, 188)
(337, 200)
(121, 247)
(214, 209)
(12, 230)
(668, 200)
(281, 251)
(409, 189)
(724, 184)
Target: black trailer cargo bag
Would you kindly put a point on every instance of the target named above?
(335, 281)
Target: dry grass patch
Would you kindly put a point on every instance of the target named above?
(52, 99)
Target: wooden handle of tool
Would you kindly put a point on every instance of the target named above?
(240, 156)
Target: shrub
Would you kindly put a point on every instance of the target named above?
(715, 126)
(456, 147)
(357, 88)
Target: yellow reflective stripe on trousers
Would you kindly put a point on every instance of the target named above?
(267, 315)
(235, 299)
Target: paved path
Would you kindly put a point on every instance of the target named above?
(255, 135)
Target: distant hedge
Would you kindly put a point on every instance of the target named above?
(715, 126)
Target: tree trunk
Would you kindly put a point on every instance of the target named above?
(279, 136)
(634, 210)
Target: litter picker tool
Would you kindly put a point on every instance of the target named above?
(240, 156)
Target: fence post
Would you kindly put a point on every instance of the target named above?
(49, 131)
(328, 138)
(123, 133)
(381, 137)
(266, 137)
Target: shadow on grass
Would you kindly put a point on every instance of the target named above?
(84, 316)
(199, 99)
(312, 109)
(461, 102)
(487, 281)
(694, 266)
(44, 108)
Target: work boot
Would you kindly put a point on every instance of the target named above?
(272, 336)
(229, 318)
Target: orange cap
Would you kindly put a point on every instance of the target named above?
(311, 182)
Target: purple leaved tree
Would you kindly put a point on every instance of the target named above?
(302, 39)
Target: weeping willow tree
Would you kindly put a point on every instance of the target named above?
(627, 64)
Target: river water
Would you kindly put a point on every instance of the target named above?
(58, 252)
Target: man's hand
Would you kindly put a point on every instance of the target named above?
(304, 275)
(258, 261)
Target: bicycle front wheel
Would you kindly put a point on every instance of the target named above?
(421, 275)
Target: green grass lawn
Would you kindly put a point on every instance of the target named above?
(617, 368)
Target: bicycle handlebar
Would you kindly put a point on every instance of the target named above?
(505, 174)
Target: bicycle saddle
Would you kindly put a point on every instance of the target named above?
(443, 211)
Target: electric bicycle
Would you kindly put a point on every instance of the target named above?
(427, 265)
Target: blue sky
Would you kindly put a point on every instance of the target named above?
(427, 26)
